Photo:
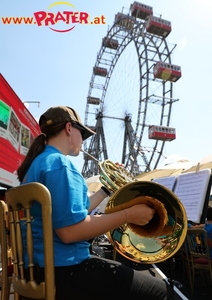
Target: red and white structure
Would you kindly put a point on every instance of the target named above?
(162, 133)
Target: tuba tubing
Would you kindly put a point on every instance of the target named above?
(156, 241)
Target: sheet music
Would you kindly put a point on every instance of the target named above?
(191, 189)
(168, 182)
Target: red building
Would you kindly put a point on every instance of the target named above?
(18, 128)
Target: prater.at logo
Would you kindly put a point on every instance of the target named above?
(69, 18)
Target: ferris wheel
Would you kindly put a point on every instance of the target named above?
(131, 93)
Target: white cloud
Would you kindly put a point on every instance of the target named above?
(182, 44)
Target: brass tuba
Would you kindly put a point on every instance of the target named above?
(163, 236)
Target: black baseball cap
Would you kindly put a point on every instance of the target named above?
(59, 114)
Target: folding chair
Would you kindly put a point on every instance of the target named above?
(6, 273)
(199, 253)
(20, 199)
(186, 260)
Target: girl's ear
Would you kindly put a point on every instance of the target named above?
(68, 128)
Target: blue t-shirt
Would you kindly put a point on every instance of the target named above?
(208, 228)
(70, 205)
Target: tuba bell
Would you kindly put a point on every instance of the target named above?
(156, 241)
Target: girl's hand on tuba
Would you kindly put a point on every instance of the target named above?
(139, 214)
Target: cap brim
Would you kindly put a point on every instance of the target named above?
(88, 131)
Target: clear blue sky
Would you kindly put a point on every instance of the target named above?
(55, 68)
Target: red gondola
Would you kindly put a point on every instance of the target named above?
(100, 71)
(166, 71)
(124, 21)
(110, 43)
(93, 100)
(162, 133)
(158, 26)
(141, 11)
